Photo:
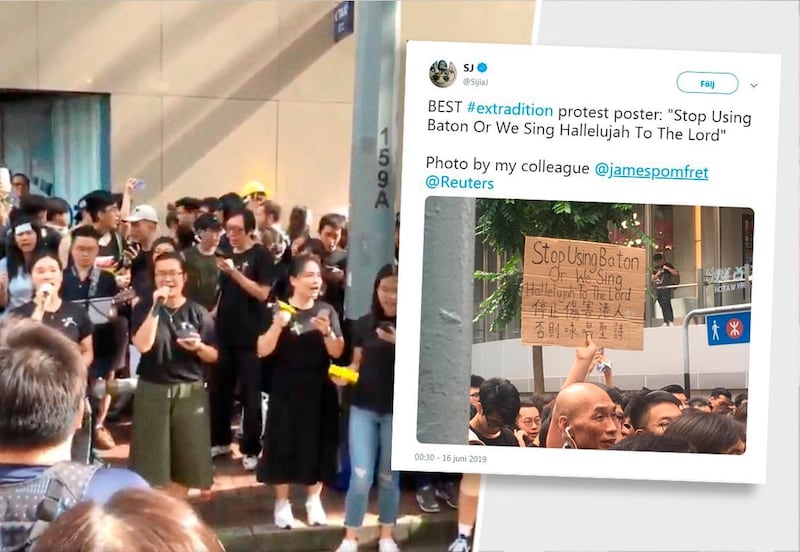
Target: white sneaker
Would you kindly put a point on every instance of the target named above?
(284, 518)
(348, 546)
(388, 545)
(316, 514)
(249, 463)
(461, 544)
(220, 450)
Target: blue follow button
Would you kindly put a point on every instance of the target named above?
(707, 82)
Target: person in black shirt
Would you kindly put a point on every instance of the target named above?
(497, 411)
(664, 274)
(334, 260)
(171, 441)
(301, 436)
(245, 280)
(82, 282)
(371, 414)
(102, 208)
(47, 307)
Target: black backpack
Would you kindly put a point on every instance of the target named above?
(27, 508)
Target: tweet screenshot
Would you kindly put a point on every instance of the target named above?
(621, 208)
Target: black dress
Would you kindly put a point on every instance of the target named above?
(301, 437)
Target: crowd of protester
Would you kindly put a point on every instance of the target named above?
(227, 315)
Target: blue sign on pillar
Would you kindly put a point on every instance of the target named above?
(343, 20)
(728, 329)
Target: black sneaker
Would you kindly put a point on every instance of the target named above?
(426, 498)
(449, 493)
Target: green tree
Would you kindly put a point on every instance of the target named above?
(503, 225)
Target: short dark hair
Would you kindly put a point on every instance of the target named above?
(57, 206)
(658, 256)
(188, 203)
(499, 396)
(655, 443)
(171, 256)
(248, 218)
(42, 385)
(674, 389)
(229, 204)
(740, 398)
(708, 432)
(211, 203)
(475, 380)
(639, 408)
(86, 231)
(721, 392)
(699, 401)
(334, 220)
(32, 205)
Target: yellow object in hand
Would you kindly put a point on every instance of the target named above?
(342, 372)
(287, 307)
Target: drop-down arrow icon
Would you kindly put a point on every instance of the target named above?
(753, 84)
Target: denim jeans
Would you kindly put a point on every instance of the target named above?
(371, 433)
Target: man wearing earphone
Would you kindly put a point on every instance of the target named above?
(583, 418)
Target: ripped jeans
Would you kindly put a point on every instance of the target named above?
(371, 434)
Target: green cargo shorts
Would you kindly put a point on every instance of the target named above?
(171, 435)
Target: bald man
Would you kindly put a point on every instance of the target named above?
(583, 418)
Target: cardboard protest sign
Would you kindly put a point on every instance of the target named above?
(573, 288)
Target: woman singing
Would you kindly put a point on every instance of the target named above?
(171, 435)
(47, 306)
(301, 438)
(371, 416)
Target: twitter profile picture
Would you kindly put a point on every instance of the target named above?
(443, 73)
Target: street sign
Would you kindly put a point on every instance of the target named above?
(728, 329)
(343, 20)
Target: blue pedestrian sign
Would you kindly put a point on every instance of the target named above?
(728, 329)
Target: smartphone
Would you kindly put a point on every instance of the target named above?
(386, 326)
(139, 185)
(221, 254)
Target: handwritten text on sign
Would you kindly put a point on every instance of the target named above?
(574, 288)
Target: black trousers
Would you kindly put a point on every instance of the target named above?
(242, 365)
(665, 300)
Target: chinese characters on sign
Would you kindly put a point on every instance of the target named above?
(574, 288)
(343, 20)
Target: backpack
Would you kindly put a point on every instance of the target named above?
(27, 508)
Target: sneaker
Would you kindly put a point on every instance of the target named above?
(426, 498)
(388, 545)
(315, 511)
(284, 518)
(449, 493)
(461, 544)
(220, 450)
(348, 546)
(103, 439)
(249, 462)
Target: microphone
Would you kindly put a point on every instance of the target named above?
(46, 289)
(159, 303)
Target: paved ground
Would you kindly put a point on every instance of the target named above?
(239, 509)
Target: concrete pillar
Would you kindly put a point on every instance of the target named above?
(374, 152)
(445, 362)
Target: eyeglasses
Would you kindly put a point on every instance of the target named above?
(234, 230)
(169, 274)
(474, 395)
(530, 422)
(664, 425)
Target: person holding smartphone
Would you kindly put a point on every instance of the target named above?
(371, 416)
(301, 438)
(171, 434)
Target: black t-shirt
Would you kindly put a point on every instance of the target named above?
(375, 387)
(70, 319)
(202, 276)
(241, 318)
(505, 439)
(167, 362)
